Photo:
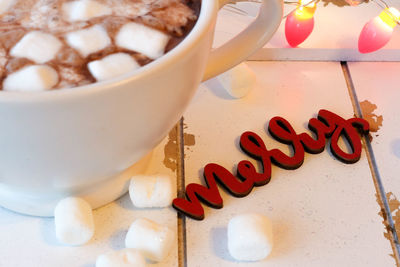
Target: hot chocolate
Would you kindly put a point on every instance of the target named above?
(51, 44)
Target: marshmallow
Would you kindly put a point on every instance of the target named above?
(74, 221)
(88, 41)
(140, 38)
(151, 191)
(150, 238)
(84, 10)
(37, 46)
(5, 5)
(125, 258)
(31, 78)
(238, 81)
(250, 237)
(112, 66)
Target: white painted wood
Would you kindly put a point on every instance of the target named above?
(30, 241)
(379, 83)
(324, 213)
(334, 38)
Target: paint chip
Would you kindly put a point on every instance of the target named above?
(394, 205)
(171, 151)
(375, 121)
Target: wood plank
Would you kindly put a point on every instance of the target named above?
(325, 213)
(377, 86)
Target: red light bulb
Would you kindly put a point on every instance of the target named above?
(299, 24)
(378, 31)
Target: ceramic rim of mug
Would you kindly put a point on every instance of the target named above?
(200, 29)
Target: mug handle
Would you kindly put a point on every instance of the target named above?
(255, 36)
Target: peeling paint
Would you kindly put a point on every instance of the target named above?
(171, 151)
(188, 139)
(375, 121)
(394, 205)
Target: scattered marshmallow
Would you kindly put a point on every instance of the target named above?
(74, 221)
(5, 5)
(150, 238)
(250, 237)
(112, 66)
(83, 10)
(238, 81)
(124, 258)
(143, 39)
(31, 78)
(37, 46)
(151, 191)
(88, 41)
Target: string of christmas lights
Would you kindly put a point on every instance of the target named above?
(300, 23)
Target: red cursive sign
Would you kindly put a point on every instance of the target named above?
(327, 125)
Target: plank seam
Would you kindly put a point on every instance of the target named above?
(182, 252)
(373, 166)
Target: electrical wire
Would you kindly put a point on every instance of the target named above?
(230, 6)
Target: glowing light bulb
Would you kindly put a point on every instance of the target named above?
(300, 23)
(378, 31)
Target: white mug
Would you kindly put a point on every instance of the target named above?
(83, 141)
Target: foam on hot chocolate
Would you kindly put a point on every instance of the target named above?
(67, 35)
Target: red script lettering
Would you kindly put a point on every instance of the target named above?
(326, 125)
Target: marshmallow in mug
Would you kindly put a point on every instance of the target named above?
(112, 66)
(250, 237)
(37, 46)
(88, 41)
(123, 258)
(142, 39)
(151, 191)
(153, 240)
(83, 10)
(31, 78)
(73, 221)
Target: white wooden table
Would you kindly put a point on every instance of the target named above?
(325, 213)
